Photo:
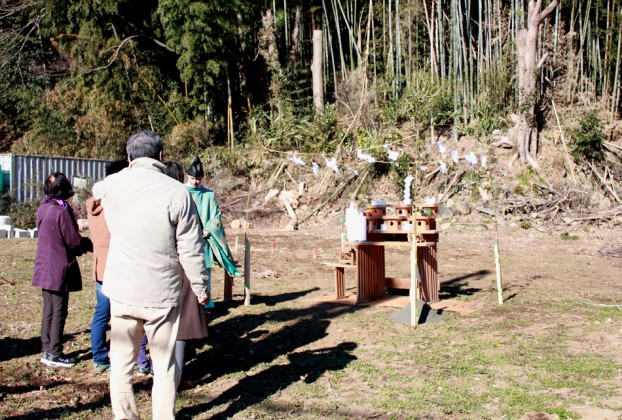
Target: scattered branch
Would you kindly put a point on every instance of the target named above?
(605, 184)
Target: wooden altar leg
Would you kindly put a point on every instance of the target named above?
(426, 261)
(340, 283)
(370, 266)
(228, 289)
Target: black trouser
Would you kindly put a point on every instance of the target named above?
(53, 322)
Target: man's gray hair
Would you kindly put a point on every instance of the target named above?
(144, 144)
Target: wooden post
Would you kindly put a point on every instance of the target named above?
(414, 269)
(229, 116)
(247, 271)
(496, 251)
(228, 289)
(316, 72)
(340, 283)
(498, 268)
(414, 283)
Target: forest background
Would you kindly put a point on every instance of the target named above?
(251, 84)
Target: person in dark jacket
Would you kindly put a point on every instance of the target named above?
(56, 269)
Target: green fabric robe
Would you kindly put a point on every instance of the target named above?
(215, 246)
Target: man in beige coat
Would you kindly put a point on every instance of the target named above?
(155, 237)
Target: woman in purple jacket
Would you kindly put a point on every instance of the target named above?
(56, 270)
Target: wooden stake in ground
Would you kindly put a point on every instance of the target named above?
(414, 284)
(414, 277)
(496, 251)
(498, 269)
(228, 289)
(247, 271)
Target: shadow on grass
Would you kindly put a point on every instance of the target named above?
(19, 389)
(239, 344)
(305, 366)
(458, 286)
(223, 308)
(60, 412)
(13, 348)
(55, 413)
(516, 289)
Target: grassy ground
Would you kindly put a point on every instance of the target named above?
(545, 350)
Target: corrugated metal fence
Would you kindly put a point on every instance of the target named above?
(25, 174)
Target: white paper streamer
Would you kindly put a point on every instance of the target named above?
(393, 155)
(316, 169)
(365, 157)
(454, 156)
(354, 171)
(332, 164)
(407, 183)
(471, 158)
(484, 161)
(441, 147)
(443, 168)
(295, 160)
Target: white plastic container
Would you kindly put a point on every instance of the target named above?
(21, 233)
(8, 229)
(356, 225)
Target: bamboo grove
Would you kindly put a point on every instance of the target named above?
(78, 76)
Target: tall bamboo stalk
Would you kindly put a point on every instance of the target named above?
(398, 49)
(410, 51)
(338, 31)
(616, 80)
(390, 61)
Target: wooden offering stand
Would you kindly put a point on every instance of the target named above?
(392, 225)
(404, 223)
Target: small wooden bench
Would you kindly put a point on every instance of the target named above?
(340, 280)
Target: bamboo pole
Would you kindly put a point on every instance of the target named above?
(285, 29)
(247, 270)
(247, 256)
(410, 53)
(496, 253)
(338, 31)
(414, 269)
(390, 60)
(567, 154)
(414, 283)
(398, 49)
(498, 270)
(616, 79)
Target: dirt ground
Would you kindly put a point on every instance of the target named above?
(553, 347)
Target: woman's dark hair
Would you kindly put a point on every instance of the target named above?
(58, 186)
(174, 170)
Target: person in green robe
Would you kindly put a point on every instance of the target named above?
(214, 240)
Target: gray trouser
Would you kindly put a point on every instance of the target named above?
(53, 321)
